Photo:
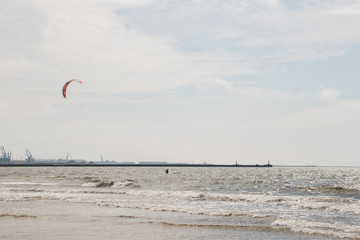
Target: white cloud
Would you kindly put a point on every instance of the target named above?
(328, 94)
(312, 32)
(342, 113)
(313, 24)
(4, 106)
(348, 9)
(60, 40)
(83, 40)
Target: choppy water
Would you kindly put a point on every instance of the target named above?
(322, 201)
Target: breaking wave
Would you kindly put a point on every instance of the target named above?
(18, 216)
(110, 184)
(330, 229)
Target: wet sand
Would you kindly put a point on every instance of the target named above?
(62, 220)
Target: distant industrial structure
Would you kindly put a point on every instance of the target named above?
(29, 158)
(5, 157)
(30, 161)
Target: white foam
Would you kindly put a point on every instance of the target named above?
(332, 229)
(126, 183)
(90, 184)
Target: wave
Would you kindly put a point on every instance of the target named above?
(247, 227)
(90, 184)
(353, 192)
(18, 216)
(105, 184)
(297, 226)
(265, 211)
(124, 216)
(126, 183)
(239, 201)
(340, 205)
(329, 229)
(28, 183)
(27, 190)
(302, 227)
(340, 189)
(97, 184)
(110, 184)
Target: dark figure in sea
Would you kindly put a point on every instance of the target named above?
(166, 171)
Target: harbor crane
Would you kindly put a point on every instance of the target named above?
(5, 157)
(29, 157)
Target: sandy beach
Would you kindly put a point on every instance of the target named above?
(59, 220)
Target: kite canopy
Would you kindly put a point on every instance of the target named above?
(67, 84)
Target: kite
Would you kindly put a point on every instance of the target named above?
(67, 84)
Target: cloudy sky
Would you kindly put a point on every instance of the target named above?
(182, 80)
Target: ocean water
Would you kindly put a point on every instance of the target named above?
(296, 203)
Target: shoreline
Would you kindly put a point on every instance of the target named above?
(56, 219)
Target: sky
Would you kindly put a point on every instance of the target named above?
(188, 81)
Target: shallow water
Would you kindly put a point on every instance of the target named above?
(315, 203)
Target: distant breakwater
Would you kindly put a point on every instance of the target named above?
(131, 165)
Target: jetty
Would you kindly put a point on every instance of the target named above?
(132, 165)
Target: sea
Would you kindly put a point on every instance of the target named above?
(185, 203)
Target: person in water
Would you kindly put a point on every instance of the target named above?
(166, 171)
